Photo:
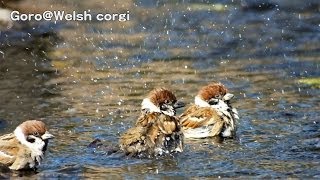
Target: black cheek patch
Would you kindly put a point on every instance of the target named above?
(30, 140)
(214, 102)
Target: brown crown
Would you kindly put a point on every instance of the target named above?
(33, 126)
(161, 95)
(214, 90)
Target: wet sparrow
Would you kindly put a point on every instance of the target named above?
(157, 130)
(211, 114)
(25, 147)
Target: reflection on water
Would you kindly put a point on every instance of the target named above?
(87, 79)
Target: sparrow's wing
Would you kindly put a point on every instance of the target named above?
(23, 159)
(169, 135)
(148, 133)
(196, 117)
(164, 135)
(7, 137)
(6, 159)
(8, 149)
(189, 110)
(133, 135)
(133, 140)
(142, 136)
(147, 119)
(157, 123)
(9, 144)
(199, 116)
(168, 124)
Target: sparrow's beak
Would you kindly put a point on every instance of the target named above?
(227, 97)
(178, 104)
(47, 135)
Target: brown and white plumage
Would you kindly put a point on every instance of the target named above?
(25, 147)
(157, 130)
(211, 114)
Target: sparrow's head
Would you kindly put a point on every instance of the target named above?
(211, 94)
(161, 100)
(35, 129)
(33, 133)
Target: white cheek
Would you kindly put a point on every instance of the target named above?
(147, 104)
(36, 149)
(221, 106)
(39, 143)
(200, 102)
(169, 112)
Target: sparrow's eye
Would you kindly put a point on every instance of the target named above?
(36, 134)
(218, 96)
(166, 101)
(163, 107)
(30, 139)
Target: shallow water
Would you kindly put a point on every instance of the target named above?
(86, 80)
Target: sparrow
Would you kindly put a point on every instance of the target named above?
(25, 147)
(211, 114)
(157, 131)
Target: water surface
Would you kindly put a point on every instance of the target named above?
(86, 80)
